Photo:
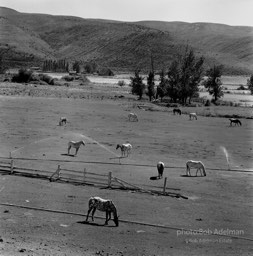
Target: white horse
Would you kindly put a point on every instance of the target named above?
(125, 149)
(133, 117)
(193, 115)
(195, 164)
(104, 205)
(75, 145)
(160, 169)
(63, 119)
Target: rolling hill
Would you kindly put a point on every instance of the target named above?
(124, 46)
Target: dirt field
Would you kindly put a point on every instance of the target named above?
(218, 203)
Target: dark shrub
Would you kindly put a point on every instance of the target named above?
(105, 72)
(68, 78)
(208, 103)
(241, 87)
(23, 76)
(121, 83)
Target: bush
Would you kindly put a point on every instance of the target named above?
(46, 78)
(68, 78)
(23, 76)
(121, 83)
(208, 103)
(241, 87)
(105, 72)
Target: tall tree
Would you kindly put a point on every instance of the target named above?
(151, 85)
(161, 88)
(137, 84)
(250, 84)
(184, 76)
(174, 79)
(213, 82)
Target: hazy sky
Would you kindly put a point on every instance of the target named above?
(231, 12)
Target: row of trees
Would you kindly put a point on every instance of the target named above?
(181, 82)
(55, 66)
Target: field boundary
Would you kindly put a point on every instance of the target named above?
(106, 181)
(122, 164)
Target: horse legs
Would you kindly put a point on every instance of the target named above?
(76, 151)
(92, 214)
(108, 217)
(69, 149)
(88, 213)
(188, 173)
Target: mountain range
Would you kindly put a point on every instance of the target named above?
(29, 39)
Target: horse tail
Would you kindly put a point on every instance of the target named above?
(204, 169)
(187, 168)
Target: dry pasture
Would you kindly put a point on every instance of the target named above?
(220, 201)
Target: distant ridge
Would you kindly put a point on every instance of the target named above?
(31, 38)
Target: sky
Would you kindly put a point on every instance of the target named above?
(230, 12)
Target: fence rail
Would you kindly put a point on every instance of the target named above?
(75, 176)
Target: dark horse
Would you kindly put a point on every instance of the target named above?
(235, 121)
(160, 169)
(177, 110)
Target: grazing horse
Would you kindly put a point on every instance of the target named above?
(193, 115)
(177, 110)
(75, 145)
(125, 149)
(133, 117)
(195, 164)
(160, 169)
(62, 120)
(107, 206)
(235, 121)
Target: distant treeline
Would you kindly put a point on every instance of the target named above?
(55, 66)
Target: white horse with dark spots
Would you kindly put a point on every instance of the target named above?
(160, 169)
(132, 117)
(193, 115)
(197, 165)
(104, 205)
(63, 120)
(76, 145)
(125, 149)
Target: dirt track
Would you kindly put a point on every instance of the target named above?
(220, 201)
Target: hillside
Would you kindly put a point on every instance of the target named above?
(31, 38)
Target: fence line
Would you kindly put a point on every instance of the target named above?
(89, 178)
(126, 164)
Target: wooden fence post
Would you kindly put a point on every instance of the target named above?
(57, 172)
(84, 174)
(164, 185)
(11, 166)
(109, 179)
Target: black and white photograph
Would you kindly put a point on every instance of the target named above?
(126, 127)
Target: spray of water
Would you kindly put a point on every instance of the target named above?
(94, 141)
(34, 142)
(226, 155)
(77, 134)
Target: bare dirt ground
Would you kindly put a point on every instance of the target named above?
(220, 202)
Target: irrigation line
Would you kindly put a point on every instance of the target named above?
(121, 164)
(126, 221)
